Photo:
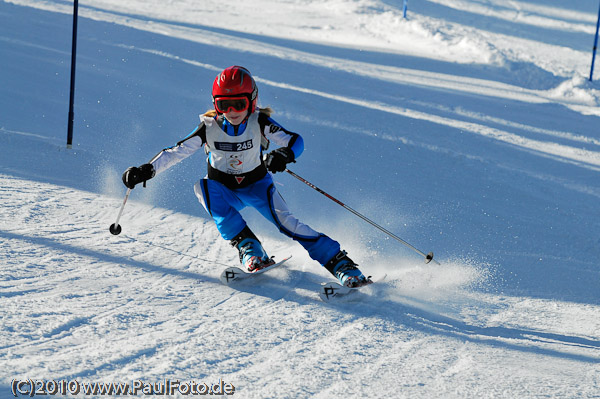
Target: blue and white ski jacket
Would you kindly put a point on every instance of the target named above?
(234, 152)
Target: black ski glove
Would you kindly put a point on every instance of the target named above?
(276, 160)
(135, 175)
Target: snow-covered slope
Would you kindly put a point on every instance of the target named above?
(468, 129)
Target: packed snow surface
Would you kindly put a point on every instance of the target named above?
(469, 128)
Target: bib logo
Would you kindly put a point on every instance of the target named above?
(234, 163)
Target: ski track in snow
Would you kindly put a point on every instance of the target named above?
(567, 93)
(79, 303)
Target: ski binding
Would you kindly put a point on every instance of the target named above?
(234, 273)
(333, 289)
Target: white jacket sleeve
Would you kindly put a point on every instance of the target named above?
(173, 155)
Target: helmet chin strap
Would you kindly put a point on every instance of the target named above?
(243, 120)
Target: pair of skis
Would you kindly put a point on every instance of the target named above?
(330, 290)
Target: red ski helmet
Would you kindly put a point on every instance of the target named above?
(230, 89)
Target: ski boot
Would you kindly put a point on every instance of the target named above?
(346, 271)
(252, 255)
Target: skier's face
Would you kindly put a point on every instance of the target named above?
(235, 117)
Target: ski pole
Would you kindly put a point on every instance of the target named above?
(428, 257)
(115, 228)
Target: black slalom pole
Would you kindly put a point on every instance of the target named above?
(72, 94)
(428, 257)
(595, 46)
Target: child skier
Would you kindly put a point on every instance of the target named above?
(234, 136)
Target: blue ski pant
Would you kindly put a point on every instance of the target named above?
(224, 205)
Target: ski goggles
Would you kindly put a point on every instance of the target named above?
(229, 104)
